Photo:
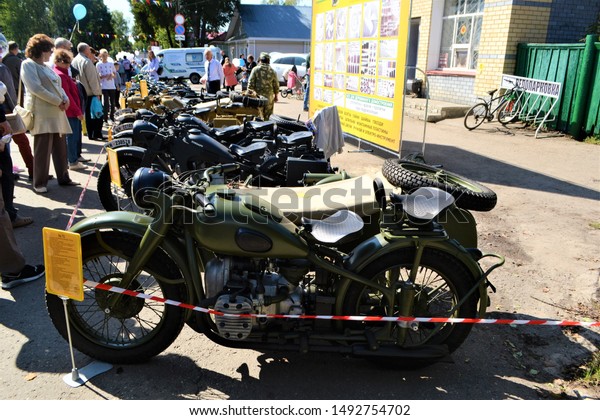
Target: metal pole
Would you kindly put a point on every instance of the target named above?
(404, 79)
(74, 371)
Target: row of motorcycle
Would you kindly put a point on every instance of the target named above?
(248, 236)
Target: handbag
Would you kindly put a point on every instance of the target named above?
(96, 111)
(21, 117)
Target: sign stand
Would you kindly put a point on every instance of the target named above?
(64, 278)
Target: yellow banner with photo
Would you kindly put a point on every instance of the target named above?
(357, 63)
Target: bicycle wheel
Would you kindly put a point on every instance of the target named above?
(509, 111)
(476, 116)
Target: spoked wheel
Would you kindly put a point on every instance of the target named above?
(409, 176)
(131, 330)
(441, 283)
(476, 116)
(119, 198)
(509, 112)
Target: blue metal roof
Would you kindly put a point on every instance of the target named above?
(285, 22)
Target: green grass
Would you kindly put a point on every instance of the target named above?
(591, 373)
(592, 140)
(595, 225)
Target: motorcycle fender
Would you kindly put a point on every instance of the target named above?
(136, 224)
(378, 246)
(131, 151)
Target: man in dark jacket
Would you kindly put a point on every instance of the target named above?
(13, 269)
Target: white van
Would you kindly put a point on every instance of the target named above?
(185, 62)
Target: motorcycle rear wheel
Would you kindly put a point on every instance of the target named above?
(440, 284)
(134, 330)
(118, 198)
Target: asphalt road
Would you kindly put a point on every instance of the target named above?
(548, 195)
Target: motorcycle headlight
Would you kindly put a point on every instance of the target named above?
(146, 183)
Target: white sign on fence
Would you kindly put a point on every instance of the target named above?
(536, 99)
(538, 87)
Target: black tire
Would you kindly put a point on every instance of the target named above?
(410, 176)
(476, 116)
(134, 330)
(283, 93)
(236, 97)
(108, 193)
(287, 125)
(195, 78)
(441, 282)
(509, 112)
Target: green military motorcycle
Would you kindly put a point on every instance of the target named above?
(266, 283)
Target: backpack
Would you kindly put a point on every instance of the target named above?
(159, 71)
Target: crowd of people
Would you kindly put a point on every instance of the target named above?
(60, 88)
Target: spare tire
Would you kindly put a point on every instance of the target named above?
(287, 125)
(410, 176)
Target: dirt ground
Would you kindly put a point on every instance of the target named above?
(548, 199)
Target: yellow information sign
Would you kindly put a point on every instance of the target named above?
(143, 88)
(113, 166)
(357, 63)
(62, 257)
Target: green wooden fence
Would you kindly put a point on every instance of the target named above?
(578, 111)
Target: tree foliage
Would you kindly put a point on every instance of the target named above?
(23, 18)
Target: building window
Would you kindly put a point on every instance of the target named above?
(461, 32)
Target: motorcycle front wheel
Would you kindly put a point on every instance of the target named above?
(119, 198)
(133, 330)
(441, 282)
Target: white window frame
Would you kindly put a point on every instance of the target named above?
(454, 47)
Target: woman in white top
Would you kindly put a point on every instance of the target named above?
(153, 65)
(107, 73)
(47, 100)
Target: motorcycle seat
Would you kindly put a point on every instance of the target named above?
(299, 138)
(261, 125)
(226, 132)
(342, 226)
(248, 152)
(424, 204)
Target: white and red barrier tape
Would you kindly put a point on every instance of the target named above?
(84, 190)
(120, 290)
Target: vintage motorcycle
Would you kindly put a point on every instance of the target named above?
(243, 259)
(177, 149)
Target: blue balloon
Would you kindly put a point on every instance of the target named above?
(79, 11)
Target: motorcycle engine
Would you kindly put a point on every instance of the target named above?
(246, 286)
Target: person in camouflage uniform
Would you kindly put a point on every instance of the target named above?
(263, 80)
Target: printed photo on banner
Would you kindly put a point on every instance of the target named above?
(329, 25)
(320, 27)
(390, 17)
(354, 25)
(341, 19)
(370, 19)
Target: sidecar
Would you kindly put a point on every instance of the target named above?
(356, 194)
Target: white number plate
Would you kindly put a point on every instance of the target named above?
(119, 143)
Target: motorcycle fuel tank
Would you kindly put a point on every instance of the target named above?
(199, 147)
(245, 225)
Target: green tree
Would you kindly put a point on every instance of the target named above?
(154, 23)
(121, 30)
(23, 18)
(205, 16)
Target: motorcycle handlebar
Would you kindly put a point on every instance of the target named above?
(220, 169)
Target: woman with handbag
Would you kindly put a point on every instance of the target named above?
(47, 101)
